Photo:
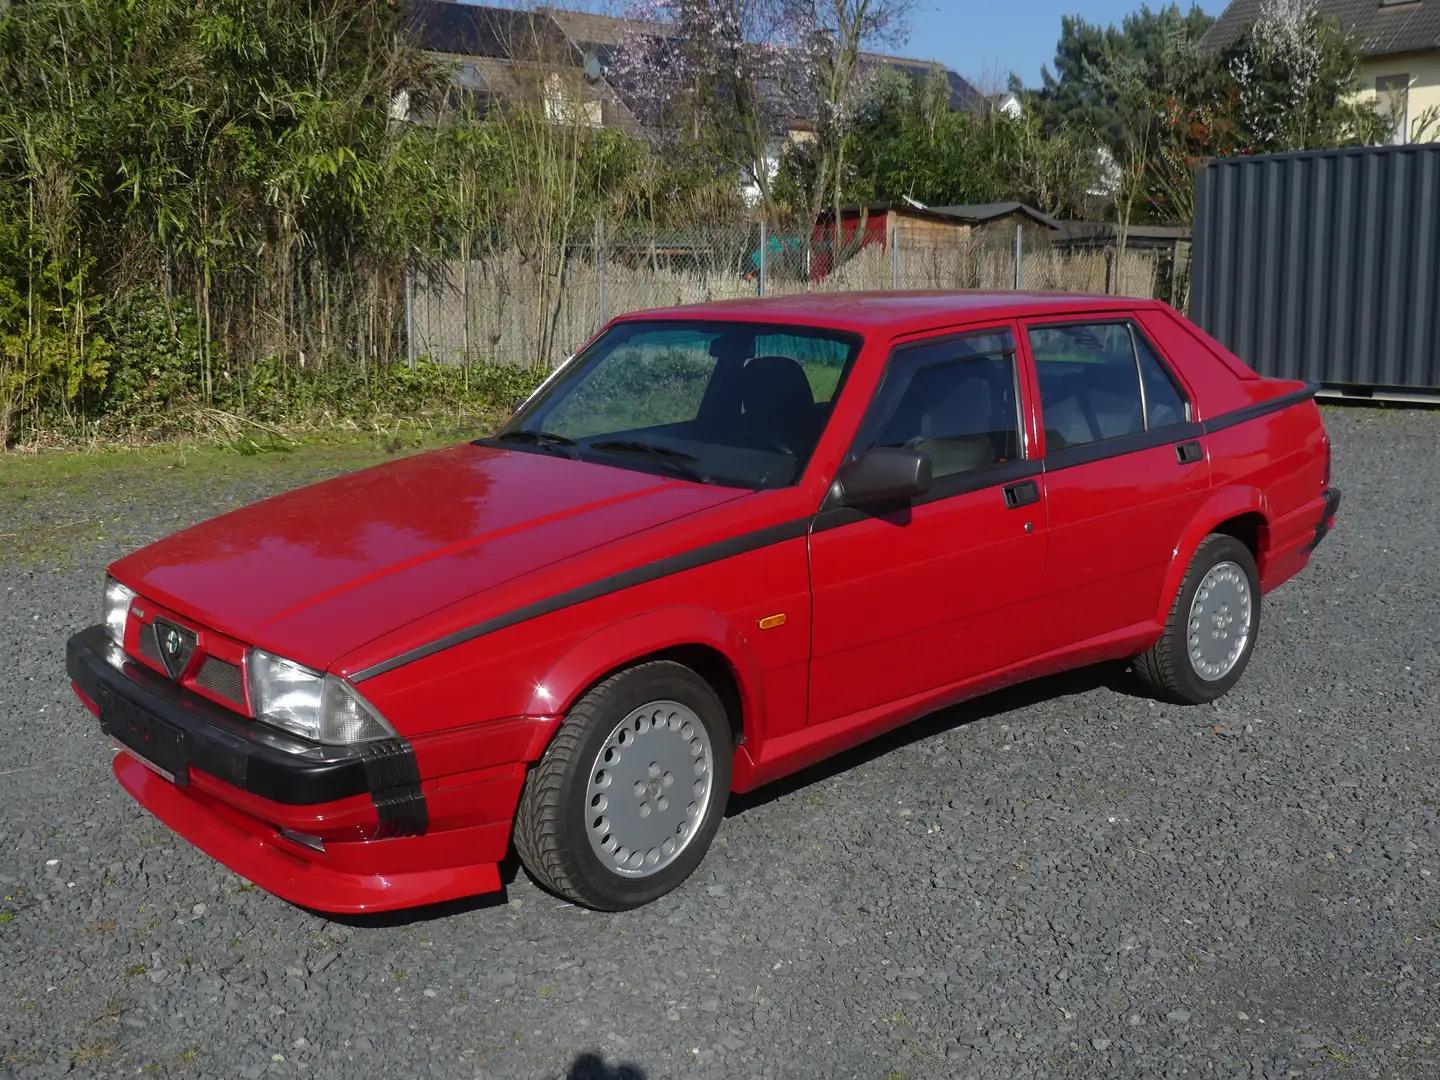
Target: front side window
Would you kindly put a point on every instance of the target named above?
(736, 404)
(1101, 381)
(956, 401)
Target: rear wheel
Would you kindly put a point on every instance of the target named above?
(1210, 632)
(624, 803)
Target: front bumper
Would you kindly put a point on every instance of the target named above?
(340, 829)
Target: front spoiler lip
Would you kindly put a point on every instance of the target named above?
(295, 874)
(255, 758)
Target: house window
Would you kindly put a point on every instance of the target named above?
(1392, 98)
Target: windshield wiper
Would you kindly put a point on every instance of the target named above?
(677, 460)
(544, 439)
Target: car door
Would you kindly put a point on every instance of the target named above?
(910, 598)
(1125, 471)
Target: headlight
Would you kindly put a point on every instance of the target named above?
(311, 704)
(117, 609)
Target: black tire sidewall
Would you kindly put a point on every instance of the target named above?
(1216, 548)
(617, 699)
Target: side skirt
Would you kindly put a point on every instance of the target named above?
(790, 753)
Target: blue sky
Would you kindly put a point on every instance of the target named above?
(986, 41)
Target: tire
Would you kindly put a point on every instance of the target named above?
(1195, 664)
(593, 829)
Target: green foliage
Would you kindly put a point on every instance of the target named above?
(159, 354)
(908, 142)
(241, 157)
(1160, 102)
(281, 395)
(1073, 98)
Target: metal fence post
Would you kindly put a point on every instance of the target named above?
(600, 263)
(409, 314)
(764, 244)
(894, 253)
(1019, 256)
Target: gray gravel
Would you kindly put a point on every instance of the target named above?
(1062, 881)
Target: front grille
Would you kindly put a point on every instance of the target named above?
(149, 647)
(222, 678)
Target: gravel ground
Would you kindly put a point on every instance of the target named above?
(1066, 880)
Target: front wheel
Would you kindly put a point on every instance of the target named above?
(625, 801)
(1210, 633)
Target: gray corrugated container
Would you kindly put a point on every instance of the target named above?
(1324, 266)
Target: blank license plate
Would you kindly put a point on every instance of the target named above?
(155, 743)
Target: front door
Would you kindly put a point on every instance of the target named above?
(1125, 471)
(911, 598)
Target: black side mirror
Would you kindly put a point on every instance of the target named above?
(883, 474)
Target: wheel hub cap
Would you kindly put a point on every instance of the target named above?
(1219, 625)
(649, 788)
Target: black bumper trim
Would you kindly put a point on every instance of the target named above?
(251, 756)
(394, 781)
(1322, 527)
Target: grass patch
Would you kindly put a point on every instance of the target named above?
(95, 1052)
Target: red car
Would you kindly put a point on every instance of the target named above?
(721, 543)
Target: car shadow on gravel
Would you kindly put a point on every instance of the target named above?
(1111, 676)
(382, 920)
(1066, 684)
(593, 1067)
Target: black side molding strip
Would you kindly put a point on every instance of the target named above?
(1085, 453)
(834, 518)
(1260, 408)
(674, 564)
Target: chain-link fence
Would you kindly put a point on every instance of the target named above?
(510, 308)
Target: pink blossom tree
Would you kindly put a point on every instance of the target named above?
(751, 76)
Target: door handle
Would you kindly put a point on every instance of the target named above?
(1021, 494)
(1189, 453)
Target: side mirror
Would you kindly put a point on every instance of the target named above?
(884, 474)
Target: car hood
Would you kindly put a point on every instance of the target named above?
(317, 572)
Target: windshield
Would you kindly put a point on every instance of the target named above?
(735, 404)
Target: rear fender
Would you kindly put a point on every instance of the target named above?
(1223, 504)
(624, 642)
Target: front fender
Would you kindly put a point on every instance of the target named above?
(1222, 505)
(620, 643)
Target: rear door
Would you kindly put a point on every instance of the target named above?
(910, 598)
(1125, 471)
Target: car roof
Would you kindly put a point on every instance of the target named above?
(898, 312)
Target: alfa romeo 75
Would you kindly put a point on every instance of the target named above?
(719, 544)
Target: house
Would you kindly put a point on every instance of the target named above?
(911, 227)
(516, 55)
(1400, 54)
(509, 54)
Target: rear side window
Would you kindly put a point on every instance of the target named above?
(1101, 381)
(1164, 404)
(956, 401)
